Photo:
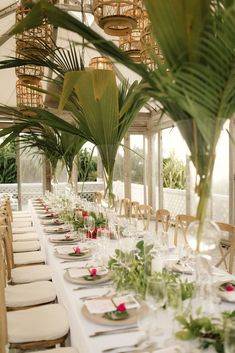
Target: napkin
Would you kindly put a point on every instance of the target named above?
(182, 268)
(129, 300)
(64, 250)
(172, 349)
(227, 296)
(100, 306)
(81, 272)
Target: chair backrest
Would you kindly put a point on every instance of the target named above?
(163, 216)
(3, 319)
(227, 246)
(125, 207)
(7, 246)
(98, 195)
(144, 213)
(134, 208)
(182, 221)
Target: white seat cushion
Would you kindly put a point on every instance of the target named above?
(25, 258)
(21, 214)
(21, 224)
(58, 350)
(47, 322)
(21, 246)
(30, 294)
(29, 274)
(25, 237)
(23, 230)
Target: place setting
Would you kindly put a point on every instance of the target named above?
(113, 310)
(57, 229)
(88, 275)
(67, 238)
(72, 253)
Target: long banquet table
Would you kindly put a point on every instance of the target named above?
(80, 327)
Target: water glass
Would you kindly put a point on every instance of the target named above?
(229, 336)
(155, 293)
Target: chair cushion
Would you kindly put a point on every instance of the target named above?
(30, 294)
(46, 322)
(58, 350)
(23, 230)
(21, 224)
(25, 237)
(29, 274)
(21, 214)
(21, 246)
(31, 257)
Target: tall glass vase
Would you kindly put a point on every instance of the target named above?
(204, 300)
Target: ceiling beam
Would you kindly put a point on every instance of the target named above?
(8, 10)
(5, 36)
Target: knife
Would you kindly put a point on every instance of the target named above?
(116, 331)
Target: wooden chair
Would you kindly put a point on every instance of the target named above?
(163, 216)
(98, 196)
(144, 213)
(134, 208)
(23, 274)
(24, 296)
(125, 208)
(16, 326)
(227, 246)
(182, 221)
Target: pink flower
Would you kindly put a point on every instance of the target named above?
(77, 250)
(85, 214)
(93, 272)
(67, 236)
(229, 288)
(52, 214)
(121, 307)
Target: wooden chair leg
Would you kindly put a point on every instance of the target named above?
(176, 234)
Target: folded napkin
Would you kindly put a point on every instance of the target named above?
(64, 250)
(182, 268)
(172, 349)
(227, 296)
(81, 272)
(100, 306)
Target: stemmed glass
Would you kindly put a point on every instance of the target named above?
(89, 225)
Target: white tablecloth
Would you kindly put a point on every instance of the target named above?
(80, 327)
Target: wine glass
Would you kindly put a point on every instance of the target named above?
(229, 336)
(89, 225)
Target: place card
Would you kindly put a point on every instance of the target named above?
(64, 250)
(129, 301)
(100, 306)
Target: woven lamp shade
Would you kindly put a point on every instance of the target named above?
(117, 17)
(32, 37)
(101, 63)
(26, 96)
(131, 44)
(149, 49)
(23, 72)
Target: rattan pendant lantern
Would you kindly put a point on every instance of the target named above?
(149, 47)
(131, 44)
(117, 17)
(101, 63)
(29, 76)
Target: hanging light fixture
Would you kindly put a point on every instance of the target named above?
(149, 47)
(117, 17)
(131, 44)
(101, 63)
(30, 75)
(26, 96)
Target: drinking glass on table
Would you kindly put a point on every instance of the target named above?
(173, 304)
(229, 336)
(89, 225)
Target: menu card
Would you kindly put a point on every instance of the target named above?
(101, 306)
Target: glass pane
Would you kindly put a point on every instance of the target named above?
(174, 153)
(137, 168)
(30, 175)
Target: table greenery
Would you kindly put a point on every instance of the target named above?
(130, 271)
(209, 331)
